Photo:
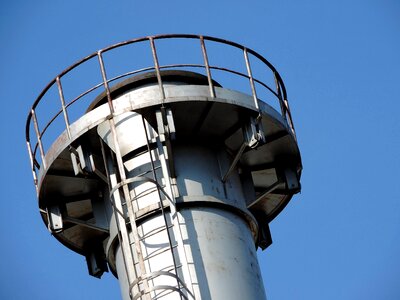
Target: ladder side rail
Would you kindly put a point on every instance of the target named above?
(160, 199)
(121, 171)
(120, 219)
(174, 216)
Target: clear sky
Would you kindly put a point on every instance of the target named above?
(340, 61)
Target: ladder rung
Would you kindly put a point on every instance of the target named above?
(158, 252)
(149, 171)
(155, 231)
(145, 193)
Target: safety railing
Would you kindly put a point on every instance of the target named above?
(40, 125)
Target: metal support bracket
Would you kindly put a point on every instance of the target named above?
(83, 161)
(166, 133)
(291, 180)
(287, 177)
(253, 133)
(96, 263)
(85, 224)
(253, 137)
(165, 124)
(55, 220)
(267, 191)
(264, 236)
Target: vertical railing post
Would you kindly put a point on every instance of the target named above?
(31, 158)
(289, 114)
(285, 110)
(253, 88)
(207, 66)
(157, 68)
(280, 98)
(61, 94)
(39, 139)
(105, 81)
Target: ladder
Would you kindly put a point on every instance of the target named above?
(145, 283)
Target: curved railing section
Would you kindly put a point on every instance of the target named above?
(41, 126)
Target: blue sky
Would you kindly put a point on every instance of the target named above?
(340, 61)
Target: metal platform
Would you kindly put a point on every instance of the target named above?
(180, 111)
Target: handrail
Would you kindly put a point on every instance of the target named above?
(279, 92)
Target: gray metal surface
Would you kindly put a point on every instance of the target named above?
(168, 178)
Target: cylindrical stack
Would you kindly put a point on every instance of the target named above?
(214, 225)
(170, 180)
